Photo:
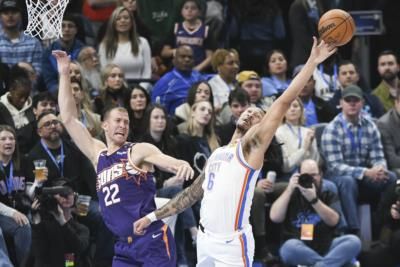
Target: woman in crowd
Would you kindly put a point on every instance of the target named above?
(122, 45)
(197, 138)
(136, 104)
(158, 134)
(277, 68)
(226, 64)
(114, 89)
(298, 142)
(14, 202)
(197, 92)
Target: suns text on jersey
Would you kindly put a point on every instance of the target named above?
(114, 172)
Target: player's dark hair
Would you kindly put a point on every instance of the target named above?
(107, 112)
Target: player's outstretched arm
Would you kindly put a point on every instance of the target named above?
(81, 136)
(179, 203)
(151, 154)
(264, 131)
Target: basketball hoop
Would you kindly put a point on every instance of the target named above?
(45, 17)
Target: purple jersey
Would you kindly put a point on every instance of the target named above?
(195, 39)
(126, 193)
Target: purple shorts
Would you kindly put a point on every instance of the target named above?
(155, 248)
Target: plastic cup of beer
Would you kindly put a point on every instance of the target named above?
(82, 205)
(40, 166)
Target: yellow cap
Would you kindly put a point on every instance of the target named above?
(247, 75)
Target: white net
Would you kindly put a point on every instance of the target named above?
(45, 18)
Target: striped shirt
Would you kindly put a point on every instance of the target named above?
(349, 149)
(25, 49)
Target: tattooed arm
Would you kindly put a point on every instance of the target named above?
(179, 203)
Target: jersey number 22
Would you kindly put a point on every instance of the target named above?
(111, 194)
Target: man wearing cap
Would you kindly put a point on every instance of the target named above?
(251, 82)
(351, 145)
(348, 75)
(15, 46)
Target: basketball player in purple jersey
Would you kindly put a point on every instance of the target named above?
(227, 184)
(125, 184)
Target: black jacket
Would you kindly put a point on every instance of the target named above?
(77, 168)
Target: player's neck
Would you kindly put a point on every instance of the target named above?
(112, 148)
(236, 135)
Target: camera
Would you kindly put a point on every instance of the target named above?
(46, 197)
(306, 180)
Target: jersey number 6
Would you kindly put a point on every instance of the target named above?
(210, 183)
(111, 194)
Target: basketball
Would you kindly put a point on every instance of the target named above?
(336, 26)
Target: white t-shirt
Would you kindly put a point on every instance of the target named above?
(134, 67)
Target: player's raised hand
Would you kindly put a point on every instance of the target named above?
(63, 61)
(321, 51)
(140, 226)
(184, 171)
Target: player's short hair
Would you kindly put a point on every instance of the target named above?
(107, 112)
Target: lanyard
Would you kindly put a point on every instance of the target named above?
(335, 74)
(350, 135)
(59, 163)
(299, 137)
(10, 179)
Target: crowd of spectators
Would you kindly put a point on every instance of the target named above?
(185, 70)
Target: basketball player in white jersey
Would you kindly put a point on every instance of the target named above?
(227, 184)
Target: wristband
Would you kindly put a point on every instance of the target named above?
(152, 217)
(314, 200)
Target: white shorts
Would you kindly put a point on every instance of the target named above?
(236, 250)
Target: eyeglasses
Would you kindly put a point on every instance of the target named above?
(48, 124)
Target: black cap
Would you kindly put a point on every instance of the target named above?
(352, 90)
(9, 5)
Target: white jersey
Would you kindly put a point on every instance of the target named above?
(228, 191)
